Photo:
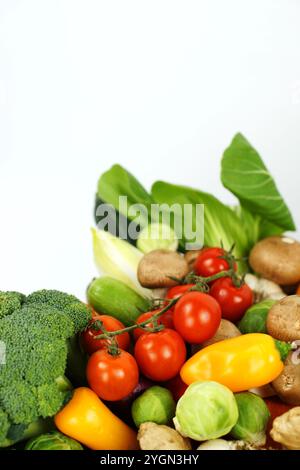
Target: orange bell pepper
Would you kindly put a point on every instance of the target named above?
(86, 419)
(240, 363)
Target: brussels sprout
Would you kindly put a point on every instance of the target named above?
(157, 237)
(53, 441)
(207, 410)
(254, 320)
(155, 405)
(253, 419)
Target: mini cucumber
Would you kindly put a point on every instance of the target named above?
(112, 297)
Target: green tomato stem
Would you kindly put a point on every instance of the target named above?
(283, 348)
(109, 334)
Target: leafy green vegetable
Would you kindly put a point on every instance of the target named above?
(250, 223)
(207, 410)
(261, 213)
(220, 221)
(36, 335)
(254, 320)
(118, 182)
(118, 259)
(113, 221)
(53, 441)
(253, 419)
(246, 176)
(155, 405)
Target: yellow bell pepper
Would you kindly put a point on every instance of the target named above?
(240, 363)
(86, 419)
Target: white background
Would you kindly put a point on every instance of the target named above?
(158, 86)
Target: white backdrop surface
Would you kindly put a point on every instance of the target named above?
(160, 87)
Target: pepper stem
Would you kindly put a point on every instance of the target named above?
(283, 349)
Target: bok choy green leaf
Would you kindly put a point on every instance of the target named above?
(221, 224)
(246, 176)
(118, 182)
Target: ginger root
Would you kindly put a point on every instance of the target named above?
(286, 429)
(153, 436)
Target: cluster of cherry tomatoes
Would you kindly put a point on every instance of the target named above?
(159, 355)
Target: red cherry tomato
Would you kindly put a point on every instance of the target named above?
(111, 377)
(178, 291)
(90, 344)
(165, 319)
(234, 301)
(160, 355)
(197, 317)
(176, 386)
(209, 262)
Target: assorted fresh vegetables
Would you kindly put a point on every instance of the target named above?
(180, 345)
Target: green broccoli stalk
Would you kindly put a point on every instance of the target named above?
(36, 336)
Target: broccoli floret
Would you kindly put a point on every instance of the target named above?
(4, 425)
(35, 335)
(9, 302)
(56, 324)
(51, 398)
(79, 313)
(15, 352)
(51, 297)
(47, 361)
(19, 401)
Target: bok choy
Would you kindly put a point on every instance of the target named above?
(261, 212)
(118, 259)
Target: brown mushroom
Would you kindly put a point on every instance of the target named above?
(277, 259)
(287, 385)
(283, 320)
(157, 268)
(190, 257)
(226, 330)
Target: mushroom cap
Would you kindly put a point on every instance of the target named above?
(157, 267)
(277, 259)
(287, 384)
(283, 320)
(226, 330)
